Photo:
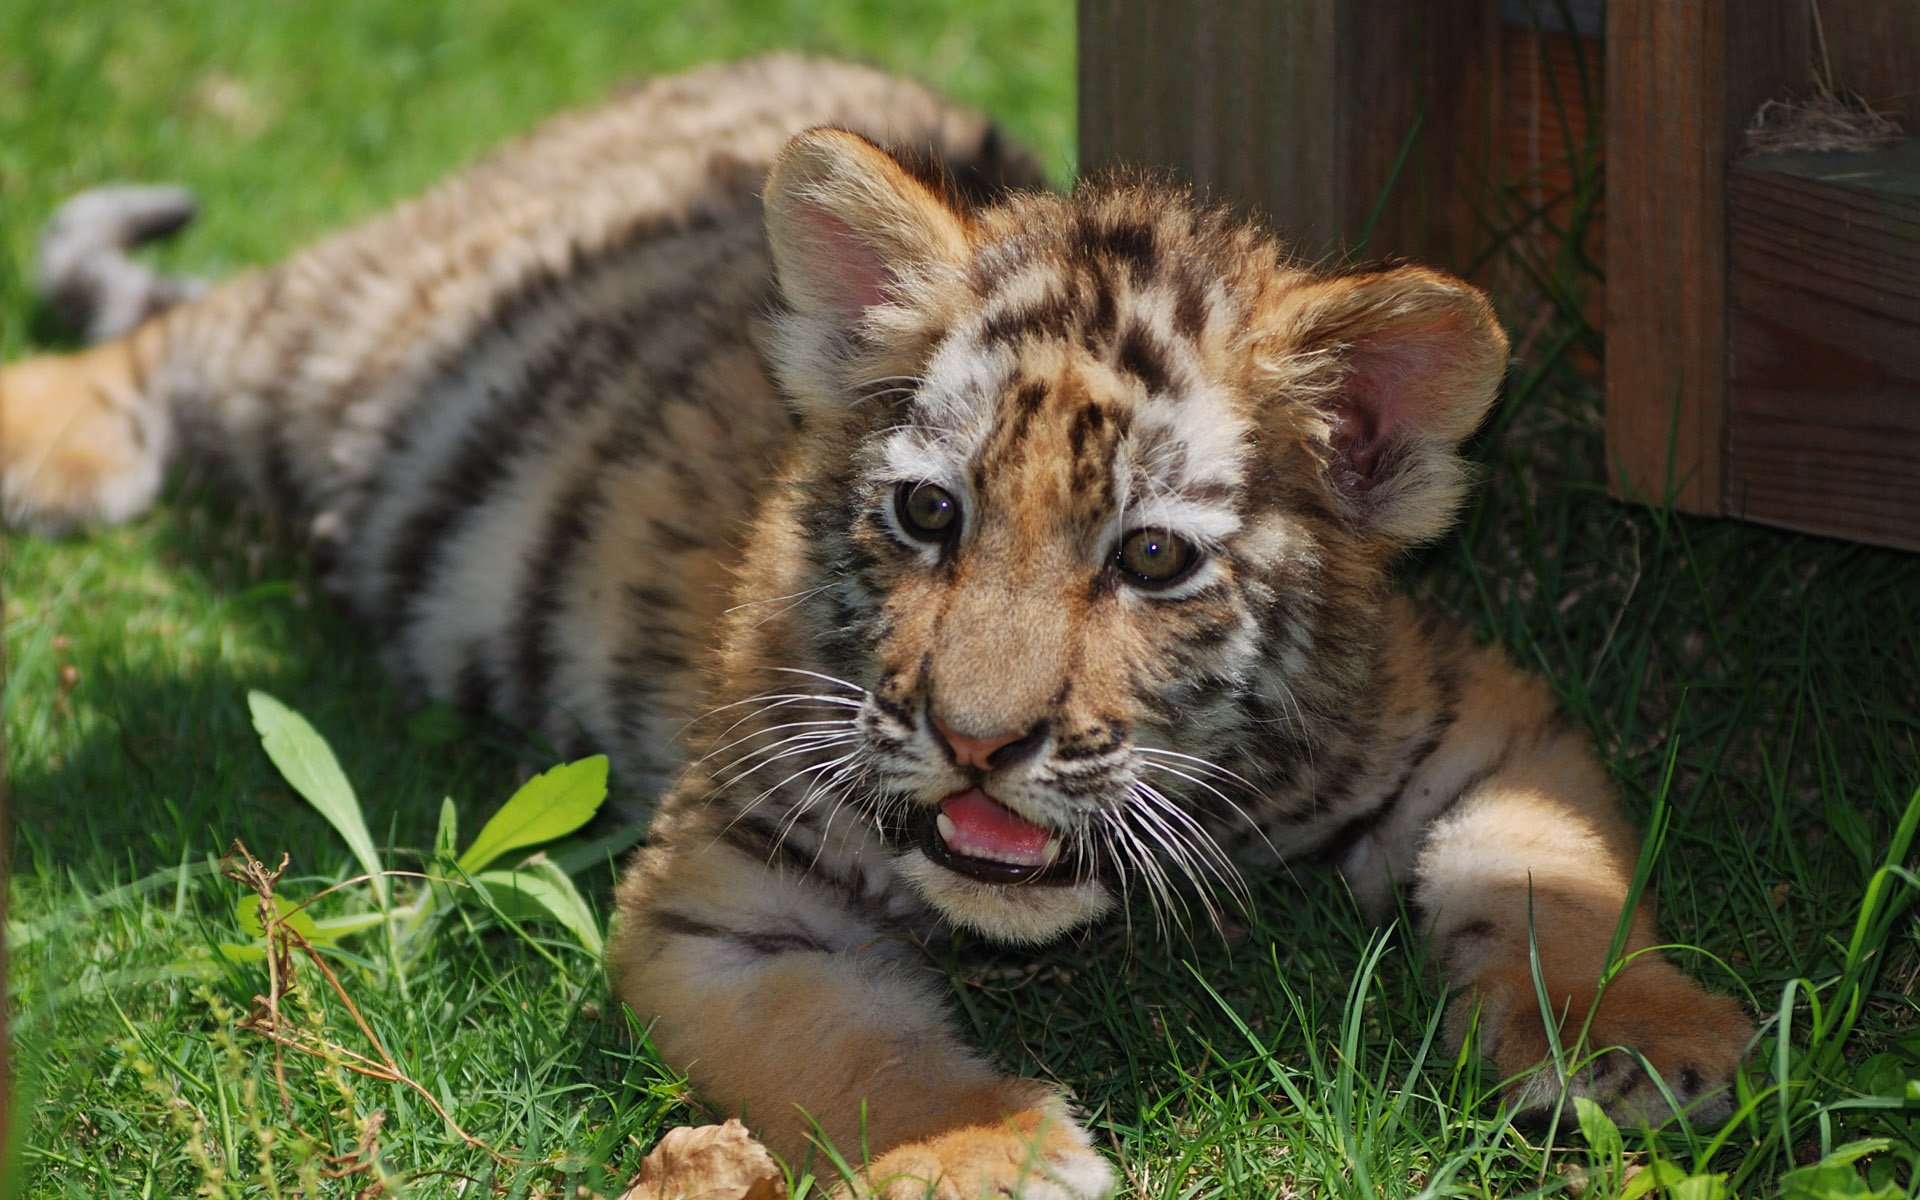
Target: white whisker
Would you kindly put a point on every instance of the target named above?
(770, 729)
(754, 803)
(1223, 797)
(778, 699)
(1208, 765)
(833, 679)
(806, 743)
(1205, 850)
(800, 595)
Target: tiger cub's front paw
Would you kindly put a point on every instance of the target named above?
(1691, 1038)
(1038, 1153)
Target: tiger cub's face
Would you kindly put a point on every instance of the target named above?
(1101, 493)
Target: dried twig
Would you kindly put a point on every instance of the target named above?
(284, 942)
(1832, 121)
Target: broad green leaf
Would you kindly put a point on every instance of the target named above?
(539, 889)
(198, 963)
(1660, 1173)
(1831, 1180)
(247, 911)
(1603, 1136)
(1856, 1150)
(550, 805)
(1883, 1074)
(309, 766)
(332, 929)
(1699, 1187)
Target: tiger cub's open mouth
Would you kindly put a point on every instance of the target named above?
(971, 833)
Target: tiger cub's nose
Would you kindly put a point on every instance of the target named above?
(991, 751)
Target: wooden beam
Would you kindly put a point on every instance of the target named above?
(1314, 112)
(1823, 407)
(1682, 80)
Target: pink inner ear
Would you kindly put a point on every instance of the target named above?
(846, 268)
(1391, 377)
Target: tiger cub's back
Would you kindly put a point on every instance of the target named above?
(528, 402)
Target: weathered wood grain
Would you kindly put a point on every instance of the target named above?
(1681, 78)
(1823, 400)
(1875, 48)
(1302, 110)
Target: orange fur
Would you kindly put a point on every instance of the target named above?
(79, 442)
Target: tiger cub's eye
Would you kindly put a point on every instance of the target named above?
(1155, 558)
(927, 512)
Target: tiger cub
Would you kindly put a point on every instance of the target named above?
(1024, 551)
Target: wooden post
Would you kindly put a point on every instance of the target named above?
(1338, 119)
(1823, 379)
(1682, 80)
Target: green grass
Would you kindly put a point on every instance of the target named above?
(1758, 688)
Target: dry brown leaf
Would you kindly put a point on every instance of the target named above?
(708, 1162)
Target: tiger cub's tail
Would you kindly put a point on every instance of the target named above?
(86, 275)
(85, 437)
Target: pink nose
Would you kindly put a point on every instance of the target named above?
(969, 751)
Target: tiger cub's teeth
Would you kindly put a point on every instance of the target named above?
(1036, 859)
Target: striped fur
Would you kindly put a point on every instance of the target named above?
(576, 457)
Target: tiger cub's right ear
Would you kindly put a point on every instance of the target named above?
(866, 255)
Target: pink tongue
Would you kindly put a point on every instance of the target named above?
(981, 824)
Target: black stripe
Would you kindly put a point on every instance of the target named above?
(760, 941)
(1352, 830)
(1492, 768)
(631, 685)
(1347, 834)
(1140, 357)
(557, 383)
(570, 523)
(488, 449)
(473, 686)
(759, 835)
(1087, 424)
(1130, 243)
(1189, 305)
(1098, 325)
(1047, 318)
(566, 528)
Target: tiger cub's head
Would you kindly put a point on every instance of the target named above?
(1099, 494)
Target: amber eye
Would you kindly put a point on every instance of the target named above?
(1155, 558)
(927, 512)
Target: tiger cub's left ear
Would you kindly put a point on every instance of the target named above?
(866, 254)
(1404, 363)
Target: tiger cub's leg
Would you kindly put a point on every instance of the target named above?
(1530, 851)
(781, 1003)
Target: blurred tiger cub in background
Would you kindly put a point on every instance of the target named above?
(1031, 551)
